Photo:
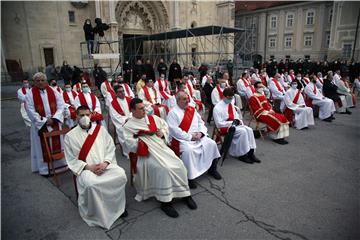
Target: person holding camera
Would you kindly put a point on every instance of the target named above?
(225, 114)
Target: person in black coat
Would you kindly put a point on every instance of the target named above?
(202, 70)
(208, 88)
(138, 71)
(330, 91)
(99, 75)
(89, 36)
(66, 72)
(174, 73)
(162, 68)
(149, 70)
(126, 71)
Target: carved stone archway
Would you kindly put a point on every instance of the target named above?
(140, 18)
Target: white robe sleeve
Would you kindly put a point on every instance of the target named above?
(201, 124)
(215, 96)
(116, 118)
(163, 126)
(174, 129)
(35, 118)
(103, 90)
(109, 152)
(141, 95)
(309, 91)
(75, 165)
(98, 106)
(289, 102)
(59, 114)
(220, 119)
(20, 95)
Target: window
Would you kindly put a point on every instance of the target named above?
(346, 51)
(308, 40)
(272, 42)
(290, 20)
(327, 44)
(71, 17)
(273, 22)
(288, 41)
(310, 17)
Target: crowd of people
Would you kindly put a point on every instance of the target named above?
(160, 125)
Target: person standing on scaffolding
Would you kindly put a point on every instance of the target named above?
(89, 36)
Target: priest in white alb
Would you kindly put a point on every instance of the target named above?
(243, 144)
(90, 154)
(162, 87)
(277, 90)
(128, 91)
(69, 96)
(326, 105)
(295, 105)
(119, 112)
(45, 108)
(86, 98)
(158, 172)
(21, 93)
(188, 137)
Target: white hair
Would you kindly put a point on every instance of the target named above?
(39, 75)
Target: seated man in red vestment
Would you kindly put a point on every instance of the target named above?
(276, 123)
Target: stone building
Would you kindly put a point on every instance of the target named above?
(317, 30)
(36, 33)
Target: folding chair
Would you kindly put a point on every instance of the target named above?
(54, 156)
(259, 126)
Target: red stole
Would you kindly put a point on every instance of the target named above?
(127, 89)
(185, 126)
(142, 148)
(67, 98)
(39, 108)
(314, 89)
(83, 100)
(231, 117)
(23, 90)
(292, 77)
(107, 85)
(78, 87)
(320, 80)
(147, 94)
(116, 105)
(263, 80)
(288, 113)
(89, 142)
(189, 88)
(58, 89)
(278, 86)
(306, 80)
(221, 95)
(247, 84)
(161, 89)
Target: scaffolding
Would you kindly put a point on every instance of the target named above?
(213, 45)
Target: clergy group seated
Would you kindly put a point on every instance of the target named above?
(295, 105)
(159, 172)
(90, 154)
(188, 137)
(243, 144)
(262, 110)
(69, 96)
(152, 100)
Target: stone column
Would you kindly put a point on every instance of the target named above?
(98, 8)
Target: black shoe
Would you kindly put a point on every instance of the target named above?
(348, 112)
(327, 119)
(168, 209)
(124, 214)
(281, 141)
(332, 117)
(213, 170)
(246, 159)
(255, 159)
(215, 174)
(252, 156)
(190, 202)
(192, 184)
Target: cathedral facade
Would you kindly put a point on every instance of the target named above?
(35, 34)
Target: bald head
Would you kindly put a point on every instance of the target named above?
(182, 99)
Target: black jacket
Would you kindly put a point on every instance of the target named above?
(89, 32)
(162, 68)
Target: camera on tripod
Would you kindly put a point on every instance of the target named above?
(100, 27)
